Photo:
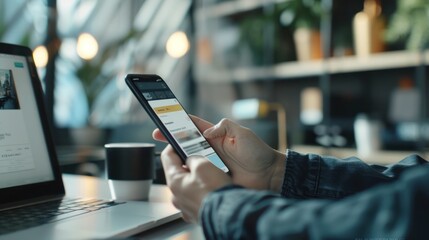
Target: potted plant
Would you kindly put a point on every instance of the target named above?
(264, 39)
(95, 77)
(409, 25)
(304, 16)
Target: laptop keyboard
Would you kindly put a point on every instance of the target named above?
(34, 215)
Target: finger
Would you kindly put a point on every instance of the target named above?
(201, 124)
(158, 136)
(187, 218)
(172, 165)
(176, 202)
(207, 173)
(199, 163)
(224, 128)
(185, 215)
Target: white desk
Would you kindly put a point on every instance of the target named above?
(85, 186)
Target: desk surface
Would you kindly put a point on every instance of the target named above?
(85, 186)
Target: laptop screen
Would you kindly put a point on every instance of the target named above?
(28, 166)
(23, 155)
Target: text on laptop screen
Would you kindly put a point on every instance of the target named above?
(24, 158)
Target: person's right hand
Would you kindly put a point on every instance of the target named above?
(252, 162)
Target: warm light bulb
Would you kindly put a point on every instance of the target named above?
(40, 55)
(87, 46)
(177, 45)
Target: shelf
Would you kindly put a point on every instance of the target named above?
(291, 70)
(233, 7)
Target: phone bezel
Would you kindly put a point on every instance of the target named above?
(145, 104)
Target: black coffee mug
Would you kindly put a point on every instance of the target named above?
(130, 169)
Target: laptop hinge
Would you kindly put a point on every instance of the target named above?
(30, 201)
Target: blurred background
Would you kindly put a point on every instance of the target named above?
(323, 76)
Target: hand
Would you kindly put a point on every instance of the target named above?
(191, 183)
(253, 163)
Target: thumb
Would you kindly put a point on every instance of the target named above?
(198, 163)
(225, 128)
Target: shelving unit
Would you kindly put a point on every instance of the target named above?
(282, 81)
(292, 70)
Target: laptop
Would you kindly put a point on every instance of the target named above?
(30, 175)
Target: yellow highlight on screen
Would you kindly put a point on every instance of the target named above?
(167, 109)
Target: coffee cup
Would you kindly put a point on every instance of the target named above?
(130, 170)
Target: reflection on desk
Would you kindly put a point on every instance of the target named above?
(86, 186)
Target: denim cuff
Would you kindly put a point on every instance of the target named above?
(301, 175)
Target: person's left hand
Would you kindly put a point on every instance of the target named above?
(190, 183)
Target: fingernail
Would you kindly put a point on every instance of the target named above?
(208, 132)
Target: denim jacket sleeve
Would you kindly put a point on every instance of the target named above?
(326, 198)
(314, 176)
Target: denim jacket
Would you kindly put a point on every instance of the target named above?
(326, 198)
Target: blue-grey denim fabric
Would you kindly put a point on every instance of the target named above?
(326, 198)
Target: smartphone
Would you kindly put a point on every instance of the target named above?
(171, 118)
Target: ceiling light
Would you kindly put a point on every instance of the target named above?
(87, 46)
(40, 55)
(177, 45)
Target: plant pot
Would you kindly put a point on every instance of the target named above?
(308, 44)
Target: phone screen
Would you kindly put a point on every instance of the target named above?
(175, 119)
